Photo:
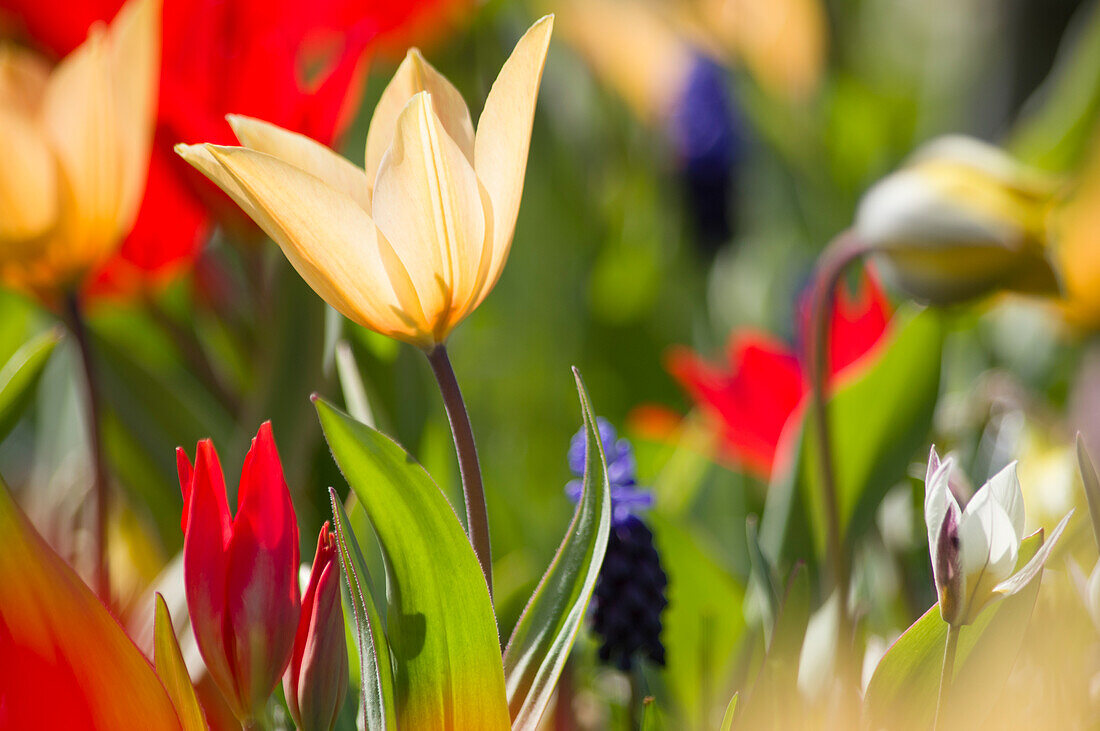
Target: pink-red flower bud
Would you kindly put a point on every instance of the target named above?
(241, 572)
(317, 678)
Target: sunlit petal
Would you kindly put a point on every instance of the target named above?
(504, 135)
(28, 180)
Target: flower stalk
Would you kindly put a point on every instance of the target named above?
(74, 318)
(473, 490)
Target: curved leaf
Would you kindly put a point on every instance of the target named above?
(902, 692)
(173, 672)
(375, 675)
(440, 622)
(20, 375)
(549, 624)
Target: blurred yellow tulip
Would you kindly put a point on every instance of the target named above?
(75, 142)
(411, 244)
(962, 219)
(1078, 250)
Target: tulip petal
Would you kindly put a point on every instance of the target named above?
(504, 136)
(305, 153)
(173, 672)
(134, 47)
(23, 79)
(323, 674)
(66, 663)
(205, 560)
(330, 240)
(263, 601)
(413, 76)
(1005, 489)
(937, 499)
(988, 545)
(1023, 577)
(427, 202)
(28, 182)
(81, 120)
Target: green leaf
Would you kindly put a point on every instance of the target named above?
(20, 376)
(731, 711)
(902, 692)
(878, 421)
(173, 672)
(1054, 133)
(439, 619)
(375, 672)
(703, 623)
(762, 575)
(774, 700)
(549, 624)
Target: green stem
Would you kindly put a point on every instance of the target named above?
(477, 516)
(946, 674)
(75, 319)
(841, 252)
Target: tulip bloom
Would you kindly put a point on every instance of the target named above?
(752, 400)
(317, 678)
(75, 143)
(245, 56)
(413, 242)
(961, 220)
(65, 662)
(974, 551)
(241, 573)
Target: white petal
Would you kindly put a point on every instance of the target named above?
(1005, 488)
(937, 496)
(987, 541)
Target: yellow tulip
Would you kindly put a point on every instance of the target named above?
(75, 142)
(1078, 249)
(961, 220)
(414, 241)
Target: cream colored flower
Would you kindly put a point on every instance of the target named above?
(75, 142)
(413, 242)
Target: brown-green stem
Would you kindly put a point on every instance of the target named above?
(74, 317)
(841, 252)
(473, 491)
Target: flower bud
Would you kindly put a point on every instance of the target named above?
(241, 573)
(317, 678)
(961, 220)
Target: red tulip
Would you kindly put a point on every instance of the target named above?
(317, 678)
(222, 56)
(241, 573)
(753, 398)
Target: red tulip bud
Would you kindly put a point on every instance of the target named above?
(317, 678)
(241, 573)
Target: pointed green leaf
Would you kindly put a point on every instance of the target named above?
(549, 624)
(902, 692)
(1092, 486)
(173, 672)
(375, 672)
(439, 621)
(20, 375)
(731, 711)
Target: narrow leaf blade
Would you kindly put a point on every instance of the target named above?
(546, 630)
(20, 375)
(173, 672)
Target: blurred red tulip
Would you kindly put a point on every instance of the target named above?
(65, 662)
(241, 573)
(752, 399)
(296, 63)
(317, 678)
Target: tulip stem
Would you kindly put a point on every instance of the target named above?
(946, 674)
(74, 317)
(473, 491)
(842, 251)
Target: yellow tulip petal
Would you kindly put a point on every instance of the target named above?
(23, 77)
(80, 118)
(173, 672)
(199, 157)
(504, 135)
(28, 181)
(304, 153)
(134, 43)
(427, 202)
(66, 663)
(413, 76)
(330, 240)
